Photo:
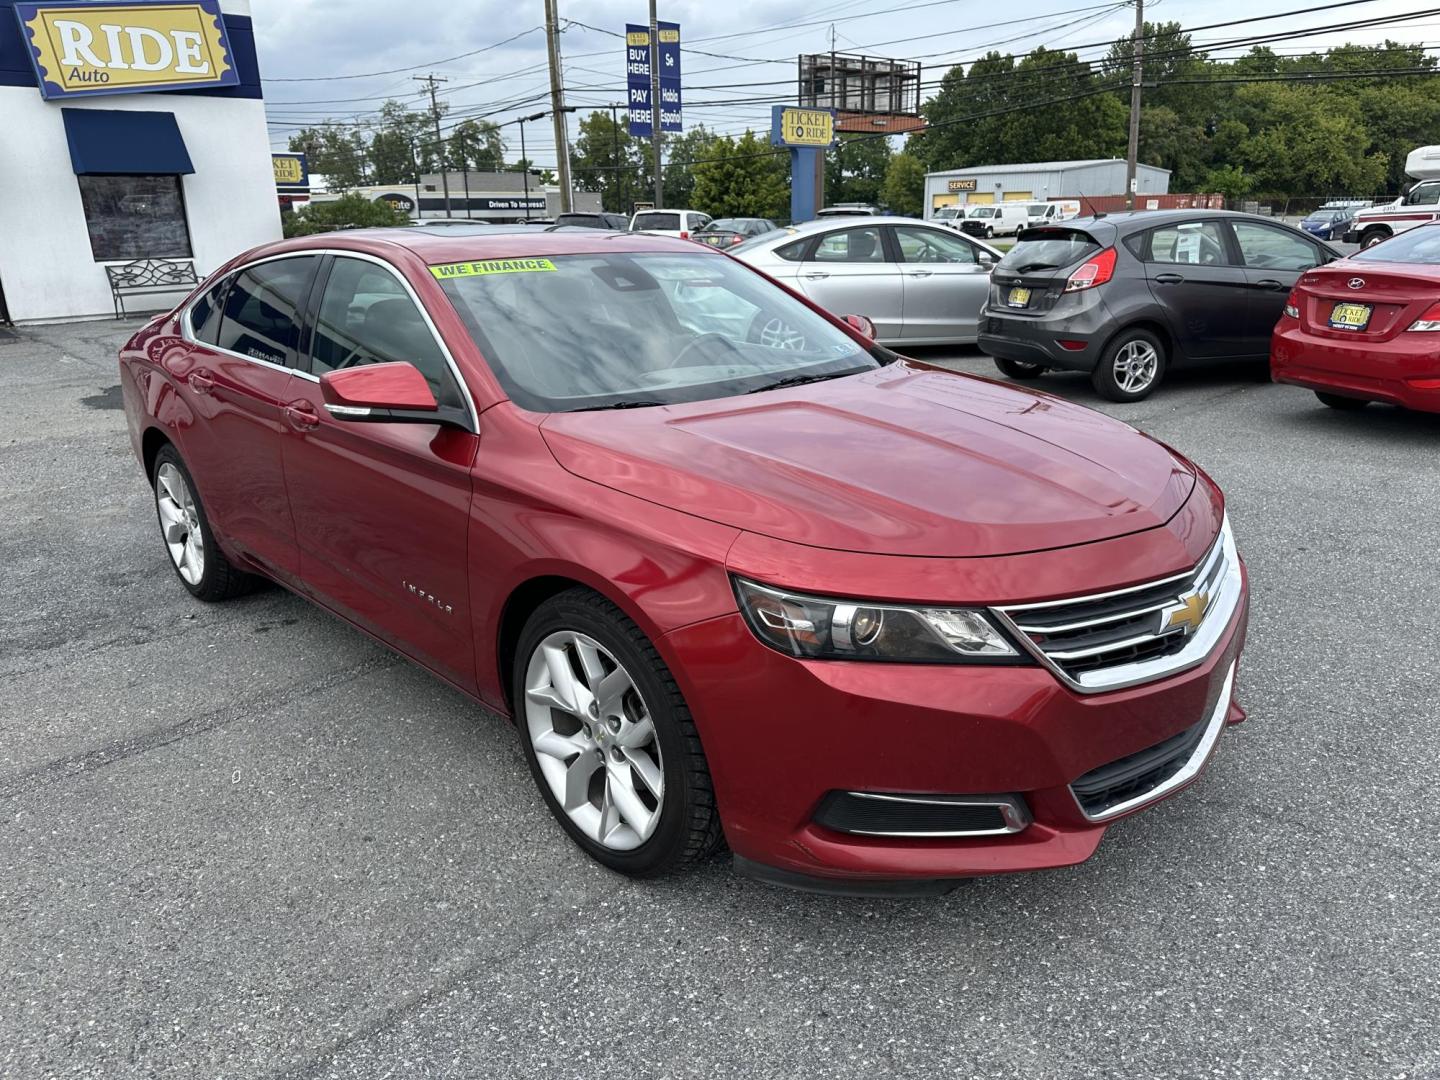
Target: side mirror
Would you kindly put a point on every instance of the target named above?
(985, 259)
(377, 392)
(861, 324)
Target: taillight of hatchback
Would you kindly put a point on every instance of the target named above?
(1093, 272)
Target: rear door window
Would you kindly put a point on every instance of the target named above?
(1189, 243)
(206, 311)
(1048, 249)
(263, 309)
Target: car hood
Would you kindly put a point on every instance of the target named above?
(905, 460)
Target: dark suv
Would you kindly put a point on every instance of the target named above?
(598, 220)
(1124, 295)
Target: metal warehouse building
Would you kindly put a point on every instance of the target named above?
(1038, 182)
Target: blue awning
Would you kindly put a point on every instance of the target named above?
(125, 143)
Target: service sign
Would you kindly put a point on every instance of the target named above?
(960, 185)
(106, 47)
(791, 126)
(291, 172)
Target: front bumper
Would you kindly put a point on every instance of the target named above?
(781, 734)
(1402, 372)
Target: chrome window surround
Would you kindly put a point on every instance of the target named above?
(187, 331)
(1013, 810)
(1187, 772)
(1221, 566)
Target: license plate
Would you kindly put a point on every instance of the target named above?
(1018, 298)
(1350, 316)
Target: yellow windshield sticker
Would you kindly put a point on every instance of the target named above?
(491, 266)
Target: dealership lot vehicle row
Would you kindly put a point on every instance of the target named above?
(252, 842)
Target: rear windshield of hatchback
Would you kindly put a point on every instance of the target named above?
(1048, 249)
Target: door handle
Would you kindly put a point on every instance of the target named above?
(301, 416)
(1271, 284)
(919, 273)
(200, 382)
(1168, 279)
(815, 275)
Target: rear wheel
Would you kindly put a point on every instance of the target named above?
(1130, 367)
(1339, 401)
(1370, 237)
(1019, 369)
(184, 526)
(609, 739)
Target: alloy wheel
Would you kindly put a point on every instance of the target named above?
(180, 523)
(594, 740)
(778, 334)
(1136, 364)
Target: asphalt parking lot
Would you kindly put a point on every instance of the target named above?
(245, 841)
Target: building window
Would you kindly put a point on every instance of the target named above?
(135, 217)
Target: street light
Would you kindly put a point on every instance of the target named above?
(525, 159)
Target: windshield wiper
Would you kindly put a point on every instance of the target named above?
(798, 380)
(629, 404)
(1036, 266)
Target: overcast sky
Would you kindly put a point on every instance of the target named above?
(321, 39)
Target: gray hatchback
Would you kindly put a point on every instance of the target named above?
(1123, 296)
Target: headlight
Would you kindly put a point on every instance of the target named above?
(824, 628)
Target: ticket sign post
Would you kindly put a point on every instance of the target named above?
(808, 133)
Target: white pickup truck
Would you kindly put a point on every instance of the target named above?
(1419, 205)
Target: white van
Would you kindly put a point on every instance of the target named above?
(997, 219)
(1046, 213)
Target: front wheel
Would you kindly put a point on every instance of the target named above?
(1019, 369)
(1130, 367)
(1339, 401)
(1370, 237)
(609, 739)
(989, 232)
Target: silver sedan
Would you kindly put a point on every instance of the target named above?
(920, 284)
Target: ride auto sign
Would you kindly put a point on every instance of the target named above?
(104, 47)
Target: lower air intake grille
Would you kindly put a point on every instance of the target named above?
(1121, 780)
(871, 814)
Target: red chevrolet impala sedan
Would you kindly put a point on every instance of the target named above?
(738, 574)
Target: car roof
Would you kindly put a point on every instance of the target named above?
(470, 243)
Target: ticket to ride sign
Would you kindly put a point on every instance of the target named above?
(790, 126)
(104, 47)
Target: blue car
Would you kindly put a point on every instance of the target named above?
(1329, 222)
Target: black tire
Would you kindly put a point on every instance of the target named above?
(220, 579)
(1370, 237)
(1341, 402)
(689, 830)
(1106, 380)
(989, 232)
(1019, 369)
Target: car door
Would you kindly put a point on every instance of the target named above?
(944, 284)
(239, 366)
(848, 272)
(1193, 276)
(382, 509)
(1274, 259)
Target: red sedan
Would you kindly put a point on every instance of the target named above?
(1367, 328)
(736, 573)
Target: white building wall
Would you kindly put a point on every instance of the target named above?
(47, 269)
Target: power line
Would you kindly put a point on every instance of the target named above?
(413, 67)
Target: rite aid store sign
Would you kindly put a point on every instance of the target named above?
(126, 48)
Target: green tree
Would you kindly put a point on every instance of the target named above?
(336, 153)
(348, 211)
(476, 145)
(904, 188)
(739, 178)
(392, 159)
(678, 153)
(608, 160)
(417, 129)
(855, 169)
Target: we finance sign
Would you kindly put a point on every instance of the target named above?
(126, 48)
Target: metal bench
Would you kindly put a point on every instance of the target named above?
(149, 276)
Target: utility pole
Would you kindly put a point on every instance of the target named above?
(431, 81)
(557, 102)
(523, 121)
(618, 182)
(1132, 152)
(655, 104)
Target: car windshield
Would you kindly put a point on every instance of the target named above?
(574, 332)
(983, 211)
(1036, 208)
(1048, 249)
(1420, 245)
(1328, 215)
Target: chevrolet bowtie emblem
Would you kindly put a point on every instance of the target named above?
(1187, 614)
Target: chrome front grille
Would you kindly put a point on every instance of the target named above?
(1134, 635)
